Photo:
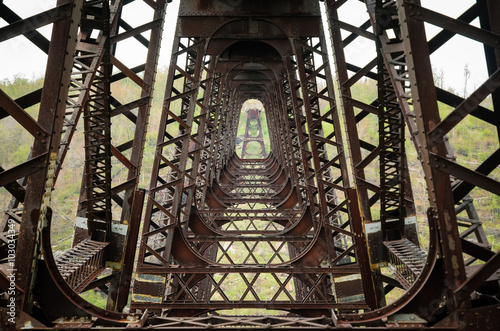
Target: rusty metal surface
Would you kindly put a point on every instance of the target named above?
(288, 230)
(407, 258)
(82, 263)
(97, 131)
(51, 118)
(253, 135)
(88, 54)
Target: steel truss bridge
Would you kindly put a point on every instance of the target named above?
(322, 228)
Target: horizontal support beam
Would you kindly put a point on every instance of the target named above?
(466, 107)
(257, 269)
(479, 277)
(135, 31)
(22, 117)
(25, 169)
(28, 26)
(249, 304)
(462, 28)
(490, 164)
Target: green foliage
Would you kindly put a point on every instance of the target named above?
(95, 297)
(19, 85)
(16, 141)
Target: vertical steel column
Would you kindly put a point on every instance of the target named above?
(145, 103)
(286, 130)
(440, 168)
(210, 102)
(97, 125)
(51, 117)
(309, 190)
(216, 124)
(296, 135)
(231, 124)
(281, 122)
(350, 120)
(328, 160)
(167, 208)
(391, 137)
(197, 177)
(330, 172)
(427, 115)
(221, 133)
(357, 142)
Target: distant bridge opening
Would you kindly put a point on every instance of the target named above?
(252, 140)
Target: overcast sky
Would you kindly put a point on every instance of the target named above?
(19, 57)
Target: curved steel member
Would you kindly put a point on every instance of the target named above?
(291, 200)
(269, 166)
(278, 177)
(281, 192)
(212, 201)
(419, 286)
(275, 175)
(285, 190)
(184, 251)
(218, 191)
(268, 160)
(200, 227)
(227, 178)
(68, 292)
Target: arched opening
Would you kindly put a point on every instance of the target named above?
(252, 140)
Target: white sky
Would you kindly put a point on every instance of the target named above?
(20, 57)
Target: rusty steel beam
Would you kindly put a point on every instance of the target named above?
(50, 117)
(467, 205)
(87, 61)
(129, 152)
(28, 26)
(427, 118)
(97, 132)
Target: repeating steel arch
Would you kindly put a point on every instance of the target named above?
(269, 205)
